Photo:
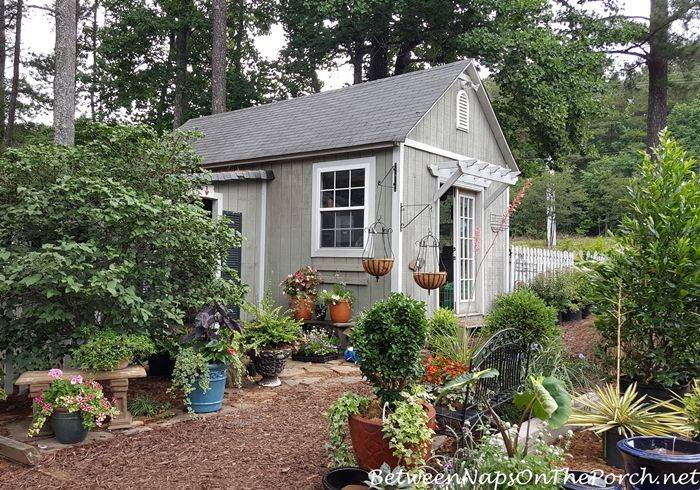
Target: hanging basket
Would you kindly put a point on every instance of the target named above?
(430, 280)
(377, 267)
(377, 257)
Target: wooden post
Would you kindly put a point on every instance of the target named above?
(19, 451)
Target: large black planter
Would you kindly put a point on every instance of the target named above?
(652, 390)
(314, 358)
(664, 459)
(581, 480)
(572, 316)
(612, 454)
(586, 311)
(339, 478)
(68, 427)
(269, 364)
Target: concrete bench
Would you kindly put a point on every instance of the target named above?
(117, 381)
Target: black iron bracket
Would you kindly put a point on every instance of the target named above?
(423, 207)
(393, 172)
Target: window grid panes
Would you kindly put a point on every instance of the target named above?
(466, 253)
(342, 208)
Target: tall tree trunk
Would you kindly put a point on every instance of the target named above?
(218, 57)
(3, 58)
(14, 91)
(64, 80)
(93, 42)
(379, 59)
(180, 75)
(657, 66)
(357, 58)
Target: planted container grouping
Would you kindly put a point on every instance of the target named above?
(210, 400)
(669, 461)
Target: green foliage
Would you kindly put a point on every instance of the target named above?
(145, 406)
(571, 243)
(575, 371)
(3, 395)
(657, 267)
(563, 290)
(467, 379)
(684, 125)
(108, 234)
(340, 411)
(317, 342)
(449, 339)
(191, 367)
(545, 398)
(691, 407)
(407, 432)
(388, 338)
(106, 349)
(525, 312)
(336, 295)
(270, 327)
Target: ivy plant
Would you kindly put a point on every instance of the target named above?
(340, 411)
(407, 432)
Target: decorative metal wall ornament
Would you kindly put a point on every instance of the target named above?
(426, 267)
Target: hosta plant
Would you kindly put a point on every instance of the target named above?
(72, 395)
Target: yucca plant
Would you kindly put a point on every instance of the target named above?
(688, 406)
(629, 413)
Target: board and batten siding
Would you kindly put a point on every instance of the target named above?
(438, 128)
(288, 227)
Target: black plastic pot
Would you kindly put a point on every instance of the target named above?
(581, 480)
(340, 477)
(572, 315)
(586, 311)
(161, 364)
(612, 454)
(653, 390)
(644, 455)
(314, 358)
(68, 427)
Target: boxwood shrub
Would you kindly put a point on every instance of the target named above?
(527, 313)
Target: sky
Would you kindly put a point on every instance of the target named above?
(38, 36)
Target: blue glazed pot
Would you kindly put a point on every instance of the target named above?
(638, 456)
(210, 400)
(581, 480)
(68, 427)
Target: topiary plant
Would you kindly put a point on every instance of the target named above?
(388, 339)
(527, 313)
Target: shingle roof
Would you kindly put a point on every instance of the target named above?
(380, 111)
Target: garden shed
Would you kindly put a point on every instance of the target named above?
(304, 178)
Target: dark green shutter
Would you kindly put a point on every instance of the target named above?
(233, 259)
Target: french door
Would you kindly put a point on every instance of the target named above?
(467, 294)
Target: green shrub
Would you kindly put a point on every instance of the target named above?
(109, 233)
(449, 339)
(270, 327)
(388, 338)
(105, 350)
(563, 290)
(525, 312)
(656, 269)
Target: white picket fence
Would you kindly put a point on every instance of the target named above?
(526, 263)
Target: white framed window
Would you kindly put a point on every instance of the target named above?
(343, 206)
(463, 110)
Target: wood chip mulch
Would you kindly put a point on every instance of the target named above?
(274, 440)
(581, 337)
(586, 454)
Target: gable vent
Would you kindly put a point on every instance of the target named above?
(463, 110)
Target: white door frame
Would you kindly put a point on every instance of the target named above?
(475, 305)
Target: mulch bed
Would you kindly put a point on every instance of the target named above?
(586, 454)
(580, 337)
(275, 439)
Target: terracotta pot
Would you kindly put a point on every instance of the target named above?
(340, 313)
(430, 280)
(371, 450)
(303, 306)
(377, 267)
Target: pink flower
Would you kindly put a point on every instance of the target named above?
(55, 373)
(76, 380)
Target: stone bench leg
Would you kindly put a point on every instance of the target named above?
(124, 420)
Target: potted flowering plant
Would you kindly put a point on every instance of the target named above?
(316, 345)
(339, 302)
(74, 407)
(211, 350)
(301, 289)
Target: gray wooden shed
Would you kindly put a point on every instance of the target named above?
(302, 174)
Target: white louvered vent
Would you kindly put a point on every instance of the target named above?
(463, 110)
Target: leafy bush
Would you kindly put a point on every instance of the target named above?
(270, 327)
(525, 312)
(110, 233)
(388, 338)
(563, 290)
(656, 269)
(106, 349)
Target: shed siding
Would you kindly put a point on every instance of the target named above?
(289, 234)
(439, 128)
